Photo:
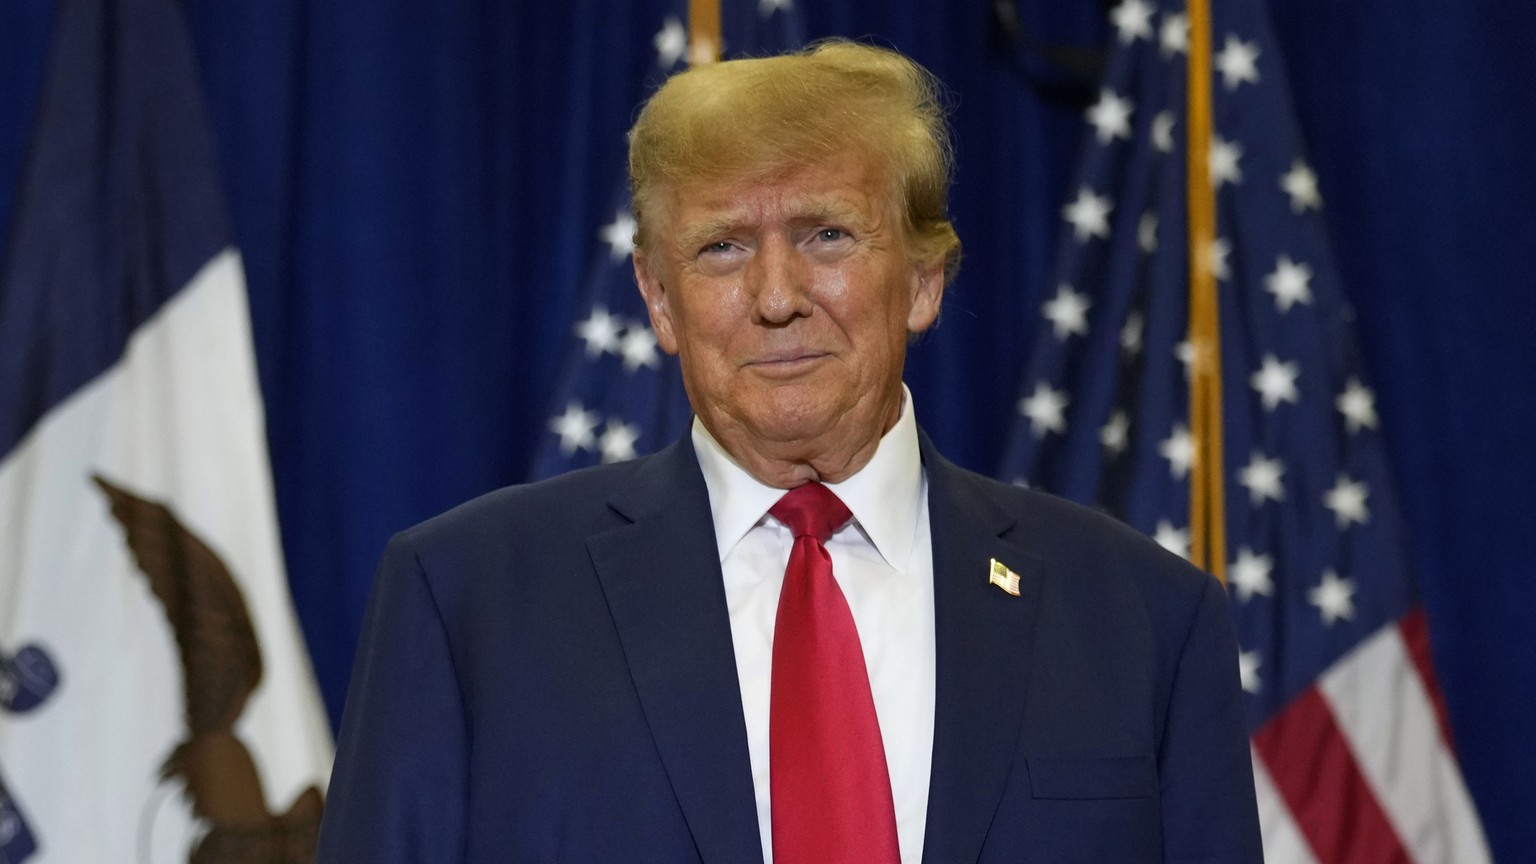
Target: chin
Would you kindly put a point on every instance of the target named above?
(799, 419)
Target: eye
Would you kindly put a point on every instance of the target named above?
(831, 235)
(719, 257)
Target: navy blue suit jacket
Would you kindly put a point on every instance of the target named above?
(546, 674)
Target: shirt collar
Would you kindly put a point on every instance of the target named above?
(884, 496)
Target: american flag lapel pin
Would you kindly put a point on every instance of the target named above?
(1003, 578)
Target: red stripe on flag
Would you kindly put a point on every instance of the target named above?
(1414, 628)
(1315, 773)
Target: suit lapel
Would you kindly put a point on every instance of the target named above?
(983, 655)
(661, 577)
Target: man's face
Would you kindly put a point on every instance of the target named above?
(790, 300)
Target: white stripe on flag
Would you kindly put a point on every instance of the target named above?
(1386, 714)
(1283, 841)
(177, 420)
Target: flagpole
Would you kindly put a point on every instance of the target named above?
(1207, 500)
(703, 32)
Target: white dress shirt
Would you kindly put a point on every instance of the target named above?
(883, 562)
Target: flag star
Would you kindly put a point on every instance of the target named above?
(1146, 232)
(620, 235)
(1276, 382)
(671, 43)
(1358, 405)
(1184, 352)
(1333, 597)
(1237, 62)
(1174, 35)
(1130, 334)
(1179, 449)
(638, 347)
(1175, 540)
(1248, 663)
(1046, 410)
(1067, 312)
(1132, 20)
(1262, 477)
(600, 331)
(1300, 183)
(1217, 254)
(1110, 117)
(1223, 159)
(576, 428)
(618, 441)
(766, 8)
(1250, 575)
(1162, 131)
(1116, 433)
(1347, 501)
(1291, 283)
(1089, 215)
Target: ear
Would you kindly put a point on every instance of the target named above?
(655, 294)
(927, 295)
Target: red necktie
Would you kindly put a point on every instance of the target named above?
(831, 790)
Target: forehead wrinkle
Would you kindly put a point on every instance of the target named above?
(748, 203)
(825, 207)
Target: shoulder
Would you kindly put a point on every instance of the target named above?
(1109, 591)
(547, 524)
(495, 551)
(567, 503)
(1056, 526)
(1087, 552)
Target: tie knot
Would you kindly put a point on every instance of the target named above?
(811, 510)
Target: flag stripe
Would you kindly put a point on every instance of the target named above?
(1311, 765)
(1383, 709)
(1283, 843)
(1415, 630)
(74, 234)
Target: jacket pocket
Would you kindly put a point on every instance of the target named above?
(1070, 778)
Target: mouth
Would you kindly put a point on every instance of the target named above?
(787, 364)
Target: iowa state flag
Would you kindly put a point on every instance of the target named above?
(156, 703)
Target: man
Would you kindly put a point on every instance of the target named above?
(673, 659)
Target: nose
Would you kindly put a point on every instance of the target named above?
(780, 280)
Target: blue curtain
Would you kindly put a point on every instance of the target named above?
(417, 189)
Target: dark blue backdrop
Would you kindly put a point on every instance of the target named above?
(416, 189)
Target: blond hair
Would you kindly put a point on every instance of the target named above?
(748, 119)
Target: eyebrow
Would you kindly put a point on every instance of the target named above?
(836, 210)
(695, 234)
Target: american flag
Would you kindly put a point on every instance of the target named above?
(618, 394)
(1351, 747)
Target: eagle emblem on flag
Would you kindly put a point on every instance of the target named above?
(221, 666)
